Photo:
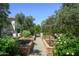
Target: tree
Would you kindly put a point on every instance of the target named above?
(68, 18)
(24, 22)
(48, 25)
(67, 21)
(4, 11)
(20, 17)
(37, 29)
(28, 23)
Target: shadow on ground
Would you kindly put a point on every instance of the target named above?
(36, 52)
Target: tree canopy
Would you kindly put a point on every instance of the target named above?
(24, 22)
(65, 20)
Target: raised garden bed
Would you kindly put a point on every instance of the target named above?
(25, 46)
(49, 46)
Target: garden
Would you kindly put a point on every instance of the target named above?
(63, 26)
(60, 32)
(16, 33)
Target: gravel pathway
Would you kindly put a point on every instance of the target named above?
(39, 49)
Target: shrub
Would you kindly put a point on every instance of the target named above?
(8, 45)
(26, 33)
(67, 45)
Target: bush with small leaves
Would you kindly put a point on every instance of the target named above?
(8, 45)
(26, 33)
(67, 45)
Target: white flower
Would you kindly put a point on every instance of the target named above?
(67, 53)
(60, 34)
(72, 53)
(60, 42)
(58, 37)
(57, 42)
(64, 41)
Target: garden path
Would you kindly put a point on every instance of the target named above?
(39, 48)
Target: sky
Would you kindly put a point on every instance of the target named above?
(40, 11)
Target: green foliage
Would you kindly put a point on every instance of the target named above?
(8, 45)
(49, 25)
(4, 11)
(67, 44)
(28, 23)
(26, 33)
(20, 20)
(24, 22)
(65, 20)
(37, 29)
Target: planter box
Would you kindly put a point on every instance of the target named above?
(48, 48)
(25, 46)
